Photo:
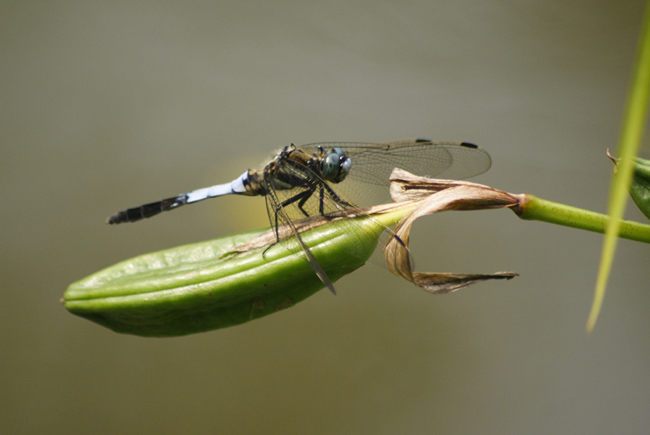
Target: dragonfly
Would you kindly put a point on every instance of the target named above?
(305, 181)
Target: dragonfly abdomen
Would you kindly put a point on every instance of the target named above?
(147, 210)
(245, 184)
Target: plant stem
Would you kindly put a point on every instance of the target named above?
(534, 208)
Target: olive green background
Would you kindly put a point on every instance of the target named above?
(107, 105)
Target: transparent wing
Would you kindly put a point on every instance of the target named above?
(310, 196)
(278, 217)
(372, 164)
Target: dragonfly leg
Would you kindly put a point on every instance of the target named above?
(321, 205)
(304, 200)
(302, 196)
(277, 235)
(335, 196)
(321, 194)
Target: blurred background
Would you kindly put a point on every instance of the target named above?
(107, 105)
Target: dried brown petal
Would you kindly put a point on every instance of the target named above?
(430, 196)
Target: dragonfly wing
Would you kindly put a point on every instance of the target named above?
(279, 215)
(372, 164)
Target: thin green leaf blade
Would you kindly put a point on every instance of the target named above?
(631, 134)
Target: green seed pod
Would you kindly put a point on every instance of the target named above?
(640, 187)
(197, 287)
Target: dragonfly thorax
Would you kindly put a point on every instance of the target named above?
(335, 166)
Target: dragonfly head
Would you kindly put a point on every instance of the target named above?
(335, 166)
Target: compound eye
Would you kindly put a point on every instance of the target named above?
(330, 167)
(346, 164)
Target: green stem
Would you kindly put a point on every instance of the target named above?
(534, 208)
